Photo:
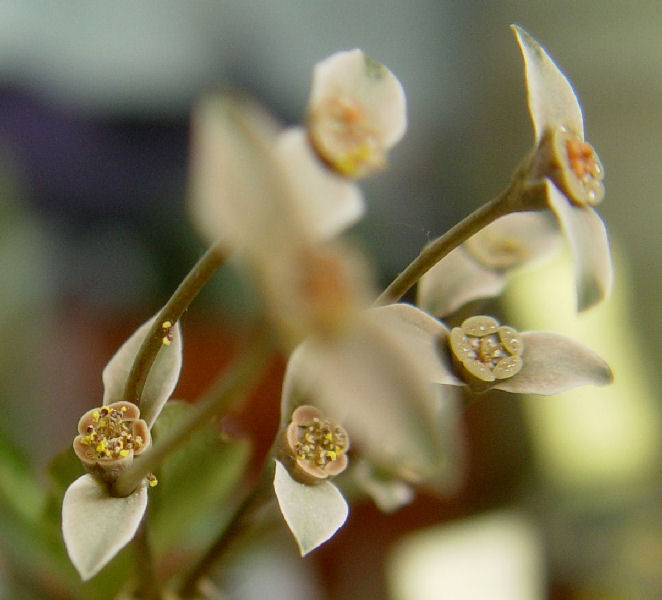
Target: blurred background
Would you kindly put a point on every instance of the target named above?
(94, 106)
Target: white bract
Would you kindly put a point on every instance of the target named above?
(480, 267)
(96, 525)
(572, 171)
(312, 512)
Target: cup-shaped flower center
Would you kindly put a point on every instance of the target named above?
(315, 447)
(110, 434)
(341, 133)
(578, 172)
(485, 350)
(320, 442)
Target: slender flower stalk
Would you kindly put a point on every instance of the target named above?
(507, 202)
(233, 386)
(185, 293)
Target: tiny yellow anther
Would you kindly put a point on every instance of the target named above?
(95, 415)
(166, 325)
(166, 341)
(152, 480)
(124, 453)
(331, 454)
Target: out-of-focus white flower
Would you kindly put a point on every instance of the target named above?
(569, 168)
(356, 112)
(480, 267)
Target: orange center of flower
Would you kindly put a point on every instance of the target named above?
(343, 137)
(320, 443)
(583, 160)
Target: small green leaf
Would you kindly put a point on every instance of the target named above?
(96, 526)
(190, 501)
(17, 484)
(312, 512)
(552, 101)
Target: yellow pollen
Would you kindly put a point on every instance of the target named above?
(166, 325)
(95, 416)
(165, 341)
(331, 454)
(124, 453)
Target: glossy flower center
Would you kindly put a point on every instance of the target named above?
(110, 435)
(320, 442)
(583, 160)
(487, 350)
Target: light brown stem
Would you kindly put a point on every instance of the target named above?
(172, 311)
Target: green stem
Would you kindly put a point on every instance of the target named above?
(183, 296)
(242, 520)
(148, 588)
(235, 383)
(510, 200)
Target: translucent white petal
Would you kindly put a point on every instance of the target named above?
(456, 280)
(553, 364)
(162, 378)
(328, 203)
(423, 338)
(518, 239)
(587, 237)
(552, 101)
(238, 190)
(312, 512)
(377, 91)
(96, 526)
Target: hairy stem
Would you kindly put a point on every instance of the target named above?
(510, 200)
(232, 387)
(172, 311)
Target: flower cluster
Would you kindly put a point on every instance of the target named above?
(277, 200)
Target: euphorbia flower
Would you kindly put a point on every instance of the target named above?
(313, 446)
(568, 169)
(311, 452)
(545, 363)
(95, 524)
(356, 113)
(479, 268)
(109, 437)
